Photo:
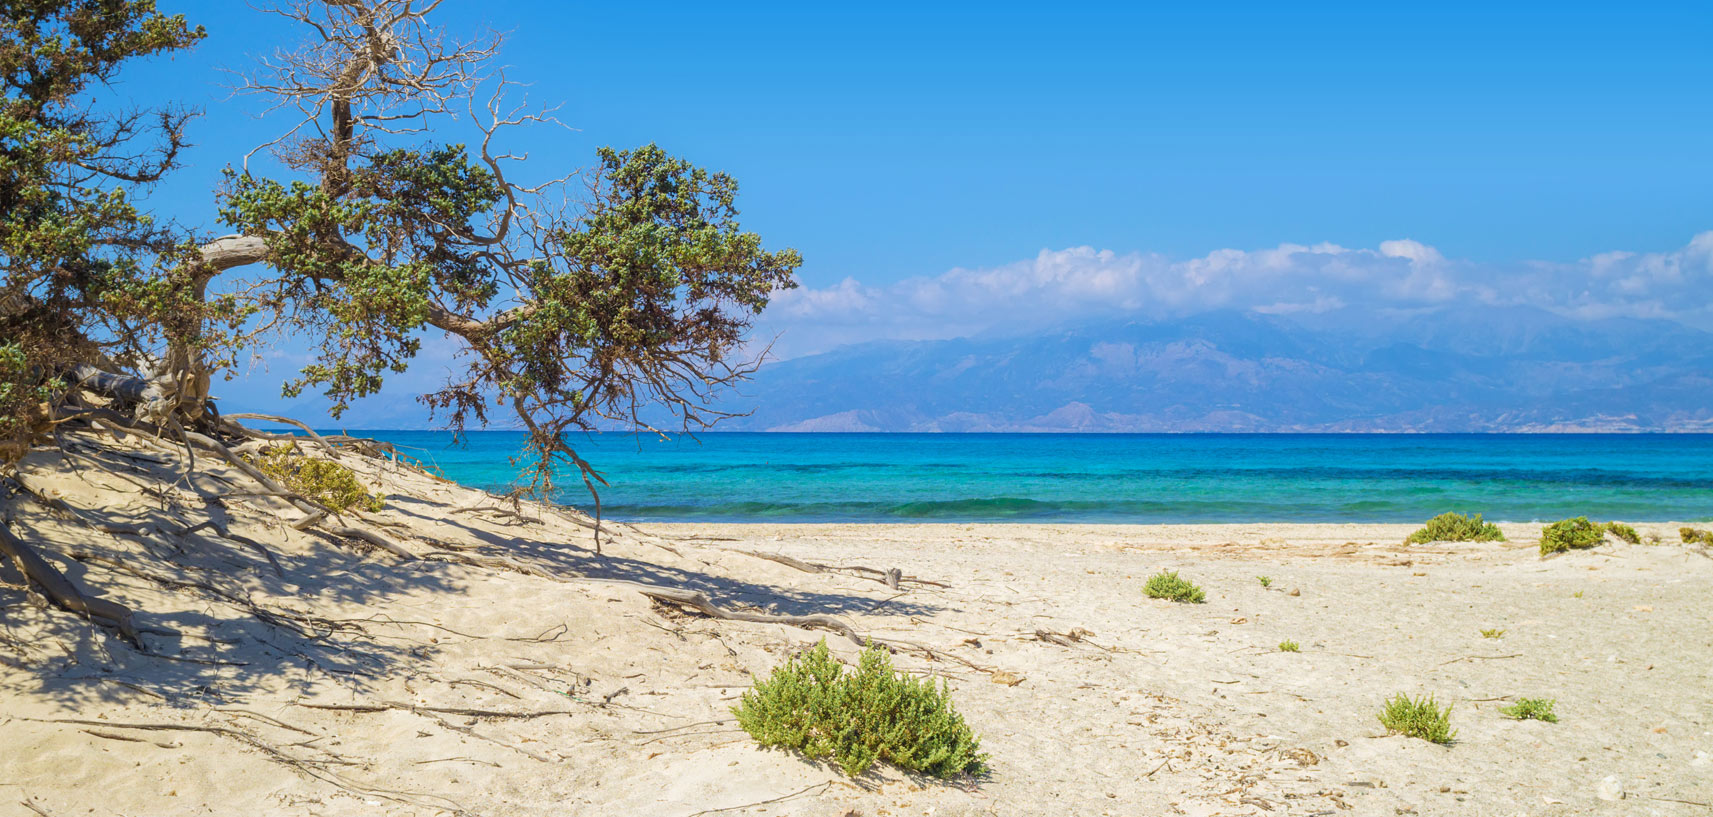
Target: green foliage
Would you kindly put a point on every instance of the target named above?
(1571, 534)
(1266, 581)
(1624, 532)
(1289, 646)
(76, 252)
(1167, 585)
(1539, 709)
(1455, 527)
(1695, 535)
(324, 481)
(1493, 633)
(811, 705)
(20, 394)
(634, 303)
(1419, 718)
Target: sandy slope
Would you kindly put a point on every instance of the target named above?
(425, 687)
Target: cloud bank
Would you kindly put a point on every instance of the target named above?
(1082, 283)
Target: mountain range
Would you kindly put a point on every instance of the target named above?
(1480, 369)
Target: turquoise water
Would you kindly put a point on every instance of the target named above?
(1116, 478)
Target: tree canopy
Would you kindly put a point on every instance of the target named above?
(588, 299)
(387, 212)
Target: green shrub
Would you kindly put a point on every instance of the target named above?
(1289, 646)
(1493, 633)
(1694, 535)
(1266, 581)
(1624, 532)
(1571, 534)
(1167, 585)
(324, 481)
(1420, 718)
(1455, 527)
(811, 705)
(1539, 709)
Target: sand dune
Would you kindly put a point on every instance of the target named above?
(354, 683)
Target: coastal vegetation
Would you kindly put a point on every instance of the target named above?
(1418, 718)
(1539, 709)
(1571, 534)
(1493, 633)
(319, 480)
(1692, 536)
(1167, 585)
(1455, 527)
(812, 705)
(1625, 532)
(1289, 646)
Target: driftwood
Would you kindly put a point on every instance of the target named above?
(700, 603)
(891, 577)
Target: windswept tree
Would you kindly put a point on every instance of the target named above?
(600, 297)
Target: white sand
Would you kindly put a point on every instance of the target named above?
(621, 706)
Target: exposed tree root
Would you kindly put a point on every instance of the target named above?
(61, 591)
(313, 434)
(313, 768)
(309, 507)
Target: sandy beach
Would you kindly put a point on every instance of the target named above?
(508, 670)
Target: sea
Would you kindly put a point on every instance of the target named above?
(1109, 478)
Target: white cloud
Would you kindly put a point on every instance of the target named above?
(1083, 283)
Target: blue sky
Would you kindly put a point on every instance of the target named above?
(894, 144)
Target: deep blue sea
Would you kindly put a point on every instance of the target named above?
(1114, 477)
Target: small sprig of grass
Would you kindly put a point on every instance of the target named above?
(1418, 718)
(1289, 646)
(1266, 581)
(1493, 633)
(1167, 585)
(1539, 709)
(1576, 595)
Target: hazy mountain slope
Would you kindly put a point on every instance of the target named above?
(1453, 370)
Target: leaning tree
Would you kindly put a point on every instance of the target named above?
(388, 211)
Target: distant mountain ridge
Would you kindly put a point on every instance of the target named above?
(1478, 369)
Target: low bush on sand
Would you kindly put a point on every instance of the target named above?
(1167, 585)
(1695, 535)
(1418, 718)
(812, 705)
(1624, 532)
(1539, 709)
(1571, 534)
(1455, 527)
(1289, 646)
(324, 481)
(1493, 633)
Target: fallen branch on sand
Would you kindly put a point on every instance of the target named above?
(891, 577)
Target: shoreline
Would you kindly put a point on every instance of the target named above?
(506, 669)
